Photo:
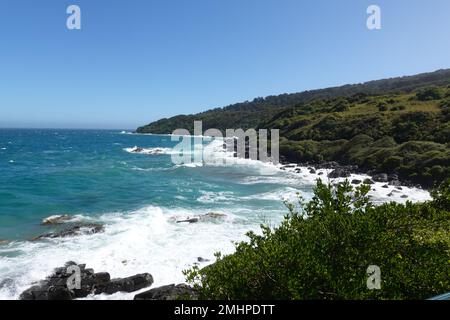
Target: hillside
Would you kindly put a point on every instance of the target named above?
(407, 134)
(397, 126)
(250, 114)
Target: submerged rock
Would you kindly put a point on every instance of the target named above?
(200, 259)
(213, 215)
(56, 219)
(55, 287)
(189, 220)
(169, 292)
(74, 230)
(3, 242)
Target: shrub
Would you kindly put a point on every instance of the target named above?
(430, 94)
(323, 248)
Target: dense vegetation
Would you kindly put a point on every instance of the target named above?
(406, 134)
(399, 125)
(250, 114)
(323, 248)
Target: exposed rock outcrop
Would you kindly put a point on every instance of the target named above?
(169, 292)
(56, 286)
(73, 230)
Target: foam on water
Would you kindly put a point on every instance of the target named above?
(147, 240)
(151, 240)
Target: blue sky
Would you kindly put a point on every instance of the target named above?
(136, 61)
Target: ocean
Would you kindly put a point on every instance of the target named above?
(94, 176)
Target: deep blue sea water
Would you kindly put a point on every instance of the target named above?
(92, 176)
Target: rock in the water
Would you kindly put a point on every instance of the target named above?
(312, 171)
(55, 287)
(404, 196)
(368, 181)
(130, 284)
(320, 173)
(56, 219)
(382, 177)
(2, 242)
(189, 220)
(200, 259)
(169, 292)
(393, 177)
(75, 230)
(356, 181)
(395, 183)
(385, 186)
(339, 173)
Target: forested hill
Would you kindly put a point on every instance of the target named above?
(397, 126)
(251, 114)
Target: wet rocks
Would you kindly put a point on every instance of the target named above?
(395, 183)
(368, 181)
(73, 230)
(200, 259)
(189, 220)
(214, 215)
(356, 181)
(3, 242)
(339, 173)
(56, 286)
(56, 219)
(169, 292)
(381, 177)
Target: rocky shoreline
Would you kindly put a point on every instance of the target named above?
(345, 171)
(62, 285)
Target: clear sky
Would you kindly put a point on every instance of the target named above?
(135, 61)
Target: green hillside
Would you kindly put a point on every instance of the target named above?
(250, 114)
(407, 133)
(398, 125)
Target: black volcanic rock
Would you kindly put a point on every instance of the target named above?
(169, 292)
(74, 230)
(55, 287)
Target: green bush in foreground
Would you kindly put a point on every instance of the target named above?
(323, 248)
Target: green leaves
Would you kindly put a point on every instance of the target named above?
(324, 246)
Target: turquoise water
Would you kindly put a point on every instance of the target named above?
(49, 172)
(138, 197)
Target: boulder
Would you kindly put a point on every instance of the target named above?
(356, 181)
(385, 186)
(368, 181)
(381, 177)
(169, 292)
(395, 183)
(55, 287)
(339, 173)
(312, 171)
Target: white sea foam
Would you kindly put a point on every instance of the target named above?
(147, 240)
